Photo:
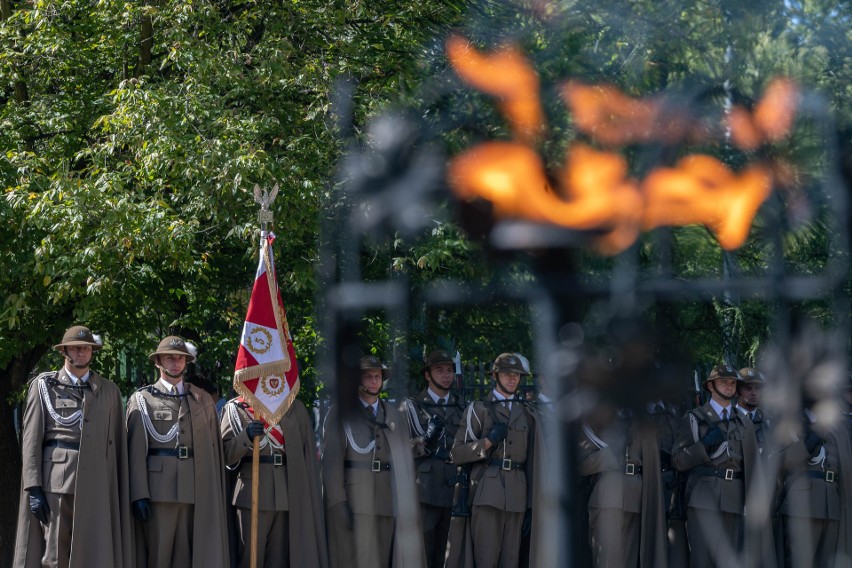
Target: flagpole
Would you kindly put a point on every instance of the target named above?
(255, 477)
(264, 216)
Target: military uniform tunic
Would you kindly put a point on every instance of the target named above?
(434, 468)
(626, 514)
(73, 447)
(176, 462)
(501, 478)
(814, 498)
(357, 470)
(288, 482)
(715, 491)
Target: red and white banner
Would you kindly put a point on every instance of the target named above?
(266, 374)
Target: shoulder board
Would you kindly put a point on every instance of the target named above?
(146, 388)
(45, 375)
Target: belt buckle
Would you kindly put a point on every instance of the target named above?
(729, 475)
(376, 466)
(183, 452)
(277, 459)
(506, 465)
(829, 476)
(630, 469)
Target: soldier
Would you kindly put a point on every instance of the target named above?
(288, 486)
(749, 392)
(368, 472)
(817, 498)
(665, 417)
(497, 437)
(716, 445)
(74, 453)
(749, 395)
(626, 513)
(433, 419)
(176, 476)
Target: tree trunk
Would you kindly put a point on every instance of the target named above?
(21, 93)
(146, 37)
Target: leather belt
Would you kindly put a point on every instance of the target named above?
(373, 465)
(632, 469)
(726, 474)
(181, 452)
(61, 444)
(507, 465)
(275, 459)
(827, 475)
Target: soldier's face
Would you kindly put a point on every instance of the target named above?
(80, 355)
(725, 387)
(174, 364)
(371, 381)
(442, 375)
(750, 393)
(507, 383)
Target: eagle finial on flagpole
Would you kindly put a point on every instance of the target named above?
(264, 199)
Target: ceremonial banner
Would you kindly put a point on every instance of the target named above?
(266, 374)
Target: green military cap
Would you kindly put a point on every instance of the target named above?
(509, 363)
(79, 335)
(174, 345)
(723, 371)
(373, 362)
(752, 375)
(435, 357)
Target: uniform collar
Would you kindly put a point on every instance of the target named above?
(374, 406)
(718, 408)
(500, 398)
(75, 380)
(436, 397)
(179, 388)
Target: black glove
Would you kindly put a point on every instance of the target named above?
(142, 510)
(498, 432)
(712, 439)
(38, 504)
(526, 526)
(342, 514)
(812, 441)
(255, 429)
(433, 430)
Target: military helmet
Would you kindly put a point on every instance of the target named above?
(435, 357)
(509, 363)
(723, 371)
(373, 362)
(79, 335)
(174, 345)
(752, 375)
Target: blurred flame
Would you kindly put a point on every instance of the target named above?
(771, 120)
(597, 193)
(610, 116)
(701, 189)
(507, 75)
(594, 191)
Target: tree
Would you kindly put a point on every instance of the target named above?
(133, 135)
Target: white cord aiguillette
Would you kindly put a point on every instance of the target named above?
(149, 426)
(75, 418)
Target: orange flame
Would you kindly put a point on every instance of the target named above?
(595, 192)
(701, 189)
(507, 75)
(607, 114)
(771, 120)
(511, 176)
